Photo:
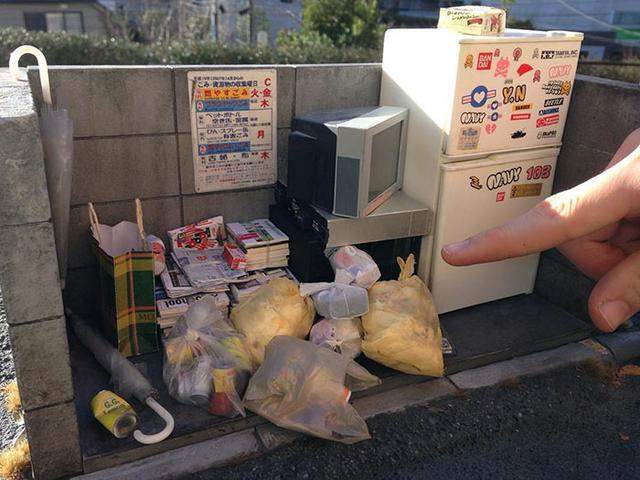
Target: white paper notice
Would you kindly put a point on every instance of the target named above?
(233, 128)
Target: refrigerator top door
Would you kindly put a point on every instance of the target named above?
(512, 92)
(481, 194)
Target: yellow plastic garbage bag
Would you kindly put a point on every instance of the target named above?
(401, 329)
(276, 308)
(304, 387)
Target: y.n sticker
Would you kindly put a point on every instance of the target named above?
(514, 94)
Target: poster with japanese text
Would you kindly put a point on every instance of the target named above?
(233, 128)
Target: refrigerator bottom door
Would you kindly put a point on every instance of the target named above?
(474, 196)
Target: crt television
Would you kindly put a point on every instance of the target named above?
(347, 162)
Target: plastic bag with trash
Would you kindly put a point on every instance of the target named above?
(342, 335)
(276, 308)
(352, 265)
(301, 386)
(206, 362)
(401, 329)
(337, 300)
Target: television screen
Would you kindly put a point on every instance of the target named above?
(385, 157)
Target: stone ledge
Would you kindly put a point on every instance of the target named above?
(186, 460)
(534, 364)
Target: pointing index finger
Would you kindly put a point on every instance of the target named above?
(571, 214)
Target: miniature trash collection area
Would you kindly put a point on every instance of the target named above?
(290, 319)
(252, 353)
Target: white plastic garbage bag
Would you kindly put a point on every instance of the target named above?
(337, 300)
(353, 266)
(342, 335)
(301, 386)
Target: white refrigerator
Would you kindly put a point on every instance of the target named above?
(485, 125)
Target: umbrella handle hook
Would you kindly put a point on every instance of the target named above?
(156, 437)
(42, 66)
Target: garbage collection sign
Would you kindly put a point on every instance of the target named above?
(233, 128)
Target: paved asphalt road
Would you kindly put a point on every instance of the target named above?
(569, 424)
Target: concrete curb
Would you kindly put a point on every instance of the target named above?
(262, 439)
(533, 364)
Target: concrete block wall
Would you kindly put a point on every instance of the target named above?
(30, 289)
(133, 138)
(601, 115)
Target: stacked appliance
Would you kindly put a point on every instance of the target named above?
(487, 115)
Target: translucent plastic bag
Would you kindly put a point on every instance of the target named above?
(206, 361)
(274, 309)
(301, 386)
(337, 300)
(402, 329)
(342, 335)
(352, 265)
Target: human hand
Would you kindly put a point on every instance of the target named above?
(596, 225)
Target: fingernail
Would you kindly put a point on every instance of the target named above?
(457, 247)
(615, 312)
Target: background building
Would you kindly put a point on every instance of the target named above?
(80, 16)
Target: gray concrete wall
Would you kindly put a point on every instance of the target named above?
(30, 288)
(602, 113)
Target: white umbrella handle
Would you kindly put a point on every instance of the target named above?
(156, 437)
(42, 66)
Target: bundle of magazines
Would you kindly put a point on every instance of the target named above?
(199, 265)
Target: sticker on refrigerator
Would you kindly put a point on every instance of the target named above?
(517, 53)
(502, 68)
(484, 61)
(547, 135)
(560, 71)
(557, 87)
(526, 190)
(524, 68)
(474, 182)
(503, 177)
(518, 134)
(233, 125)
(478, 96)
(468, 62)
(472, 117)
(469, 138)
(514, 94)
(552, 102)
(547, 121)
(536, 76)
(552, 54)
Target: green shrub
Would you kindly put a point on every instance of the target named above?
(625, 73)
(62, 48)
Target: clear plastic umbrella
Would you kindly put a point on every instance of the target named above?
(126, 378)
(56, 130)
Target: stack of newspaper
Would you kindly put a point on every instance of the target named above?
(200, 265)
(240, 291)
(264, 245)
(170, 309)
